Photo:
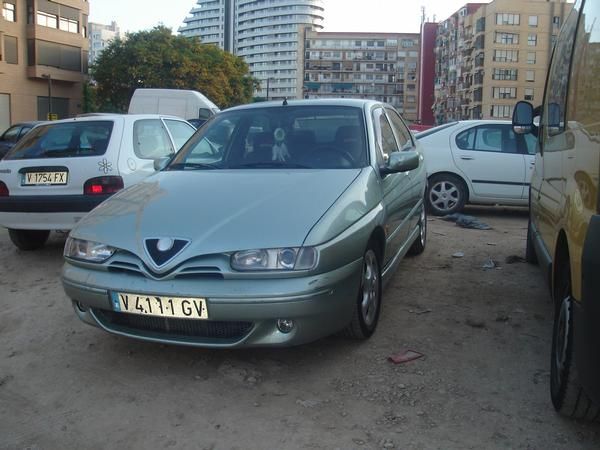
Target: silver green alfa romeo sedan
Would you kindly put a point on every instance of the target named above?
(276, 224)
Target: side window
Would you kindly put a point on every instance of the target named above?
(403, 135)
(466, 139)
(24, 131)
(553, 116)
(488, 139)
(12, 134)
(530, 143)
(180, 131)
(384, 136)
(150, 139)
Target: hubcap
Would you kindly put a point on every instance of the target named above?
(370, 288)
(444, 195)
(562, 342)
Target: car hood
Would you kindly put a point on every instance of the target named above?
(218, 211)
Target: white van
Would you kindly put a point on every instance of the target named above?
(189, 105)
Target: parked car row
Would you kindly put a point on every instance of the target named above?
(276, 224)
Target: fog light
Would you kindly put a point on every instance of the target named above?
(285, 325)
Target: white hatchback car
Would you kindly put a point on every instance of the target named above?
(62, 170)
(477, 162)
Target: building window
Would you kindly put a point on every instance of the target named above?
(533, 21)
(532, 40)
(502, 111)
(10, 50)
(507, 38)
(531, 59)
(507, 19)
(530, 75)
(68, 25)
(505, 74)
(47, 20)
(8, 12)
(556, 22)
(504, 92)
(506, 55)
(528, 93)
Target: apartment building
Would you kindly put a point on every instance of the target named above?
(100, 36)
(263, 32)
(489, 56)
(379, 66)
(43, 58)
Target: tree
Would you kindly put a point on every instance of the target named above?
(157, 59)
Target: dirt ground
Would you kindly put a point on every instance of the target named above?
(483, 382)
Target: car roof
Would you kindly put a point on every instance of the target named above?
(113, 117)
(355, 102)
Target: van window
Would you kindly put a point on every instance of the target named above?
(64, 140)
(150, 139)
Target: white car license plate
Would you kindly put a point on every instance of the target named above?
(152, 305)
(44, 178)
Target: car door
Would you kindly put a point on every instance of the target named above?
(406, 142)
(396, 195)
(489, 157)
(528, 145)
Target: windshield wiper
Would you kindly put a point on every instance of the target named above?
(271, 165)
(195, 166)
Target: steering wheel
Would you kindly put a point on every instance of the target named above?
(333, 156)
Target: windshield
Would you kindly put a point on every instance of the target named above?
(63, 140)
(308, 136)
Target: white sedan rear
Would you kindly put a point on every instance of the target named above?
(477, 162)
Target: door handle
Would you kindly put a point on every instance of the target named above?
(466, 158)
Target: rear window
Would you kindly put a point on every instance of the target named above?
(64, 140)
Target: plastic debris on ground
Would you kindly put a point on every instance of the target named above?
(467, 221)
(405, 356)
(490, 264)
(458, 255)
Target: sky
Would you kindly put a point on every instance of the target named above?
(393, 16)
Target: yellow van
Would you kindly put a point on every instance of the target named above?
(564, 224)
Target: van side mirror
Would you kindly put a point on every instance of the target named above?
(204, 113)
(400, 162)
(522, 119)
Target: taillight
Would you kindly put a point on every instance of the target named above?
(102, 185)
(3, 190)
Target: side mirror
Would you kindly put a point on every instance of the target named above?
(401, 162)
(161, 163)
(522, 119)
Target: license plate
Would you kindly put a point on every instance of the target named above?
(44, 178)
(162, 306)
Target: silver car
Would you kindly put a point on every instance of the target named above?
(276, 224)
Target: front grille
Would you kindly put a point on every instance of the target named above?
(173, 329)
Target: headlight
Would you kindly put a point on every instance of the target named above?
(275, 259)
(87, 250)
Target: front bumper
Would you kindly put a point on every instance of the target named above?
(242, 313)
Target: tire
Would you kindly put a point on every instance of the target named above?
(28, 240)
(530, 255)
(418, 246)
(568, 396)
(368, 302)
(446, 194)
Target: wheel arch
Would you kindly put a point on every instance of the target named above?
(561, 257)
(454, 174)
(379, 240)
